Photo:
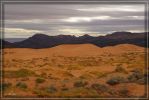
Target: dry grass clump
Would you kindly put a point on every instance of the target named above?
(40, 80)
(21, 85)
(116, 80)
(80, 83)
(18, 73)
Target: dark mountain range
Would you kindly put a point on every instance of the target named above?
(6, 44)
(45, 41)
(12, 40)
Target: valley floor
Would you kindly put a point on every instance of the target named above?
(81, 70)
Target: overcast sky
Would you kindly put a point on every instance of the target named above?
(25, 20)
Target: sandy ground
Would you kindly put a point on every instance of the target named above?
(64, 65)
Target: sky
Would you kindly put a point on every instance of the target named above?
(25, 20)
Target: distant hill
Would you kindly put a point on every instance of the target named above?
(6, 44)
(12, 40)
(45, 41)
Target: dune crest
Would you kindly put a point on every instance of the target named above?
(73, 46)
(125, 47)
(74, 50)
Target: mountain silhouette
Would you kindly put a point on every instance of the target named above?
(45, 41)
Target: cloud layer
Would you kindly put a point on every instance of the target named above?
(24, 20)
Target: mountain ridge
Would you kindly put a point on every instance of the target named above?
(38, 41)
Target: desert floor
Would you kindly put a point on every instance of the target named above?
(78, 70)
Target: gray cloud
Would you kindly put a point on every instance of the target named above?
(61, 19)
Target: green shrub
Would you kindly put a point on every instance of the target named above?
(21, 85)
(6, 86)
(99, 74)
(85, 76)
(99, 87)
(64, 89)
(124, 92)
(40, 93)
(80, 83)
(18, 73)
(142, 81)
(115, 80)
(120, 69)
(136, 75)
(40, 80)
(51, 89)
(24, 79)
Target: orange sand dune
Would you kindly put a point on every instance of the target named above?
(72, 50)
(64, 65)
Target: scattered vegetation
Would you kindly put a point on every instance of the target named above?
(115, 80)
(124, 92)
(120, 69)
(40, 80)
(40, 92)
(24, 79)
(6, 86)
(137, 76)
(99, 74)
(51, 89)
(21, 85)
(80, 83)
(76, 75)
(99, 87)
(85, 76)
(65, 89)
(18, 73)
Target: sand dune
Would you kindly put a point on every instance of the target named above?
(64, 65)
(72, 50)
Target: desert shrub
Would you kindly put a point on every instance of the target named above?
(120, 69)
(51, 89)
(64, 89)
(113, 92)
(137, 76)
(40, 80)
(80, 83)
(73, 67)
(60, 65)
(24, 73)
(99, 74)
(124, 92)
(87, 63)
(21, 85)
(6, 86)
(18, 73)
(100, 87)
(85, 76)
(142, 81)
(65, 80)
(82, 92)
(25, 79)
(40, 93)
(116, 80)
(137, 70)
